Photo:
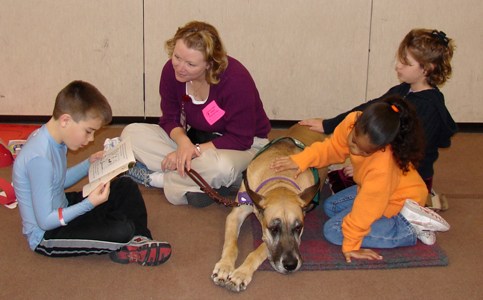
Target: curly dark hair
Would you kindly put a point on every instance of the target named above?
(393, 121)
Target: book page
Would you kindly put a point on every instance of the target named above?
(113, 159)
(114, 162)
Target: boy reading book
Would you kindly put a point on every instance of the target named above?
(112, 219)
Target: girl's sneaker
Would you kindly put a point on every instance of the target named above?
(143, 251)
(422, 217)
(425, 236)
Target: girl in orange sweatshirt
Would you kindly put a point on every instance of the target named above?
(385, 144)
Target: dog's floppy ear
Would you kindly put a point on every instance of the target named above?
(309, 193)
(254, 196)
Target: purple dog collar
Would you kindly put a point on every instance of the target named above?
(244, 198)
(277, 178)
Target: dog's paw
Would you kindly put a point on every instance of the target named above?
(221, 273)
(238, 281)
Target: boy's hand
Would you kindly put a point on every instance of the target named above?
(362, 254)
(100, 194)
(96, 156)
(285, 163)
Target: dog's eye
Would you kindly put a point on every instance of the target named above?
(274, 227)
(274, 230)
(298, 229)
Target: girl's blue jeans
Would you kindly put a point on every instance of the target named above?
(385, 232)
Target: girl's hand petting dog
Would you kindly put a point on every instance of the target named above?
(285, 163)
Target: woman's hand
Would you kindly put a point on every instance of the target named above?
(313, 124)
(183, 155)
(362, 254)
(100, 194)
(180, 158)
(169, 163)
(285, 163)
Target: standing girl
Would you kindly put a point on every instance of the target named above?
(384, 144)
(423, 64)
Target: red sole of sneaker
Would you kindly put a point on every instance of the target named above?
(141, 255)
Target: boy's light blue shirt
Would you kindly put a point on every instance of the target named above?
(40, 176)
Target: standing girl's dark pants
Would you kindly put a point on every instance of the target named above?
(106, 228)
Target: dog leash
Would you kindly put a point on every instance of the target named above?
(205, 187)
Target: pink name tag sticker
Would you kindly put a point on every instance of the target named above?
(213, 112)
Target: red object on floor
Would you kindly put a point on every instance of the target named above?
(9, 197)
(6, 158)
(16, 131)
(11, 132)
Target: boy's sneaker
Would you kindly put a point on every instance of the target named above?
(423, 217)
(144, 251)
(425, 236)
(140, 174)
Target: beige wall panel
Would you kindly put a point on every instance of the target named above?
(47, 44)
(308, 58)
(461, 20)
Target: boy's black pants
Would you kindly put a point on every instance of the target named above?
(106, 228)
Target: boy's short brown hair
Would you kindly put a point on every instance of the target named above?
(82, 101)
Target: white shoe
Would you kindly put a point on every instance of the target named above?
(425, 236)
(423, 217)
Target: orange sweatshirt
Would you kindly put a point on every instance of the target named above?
(381, 186)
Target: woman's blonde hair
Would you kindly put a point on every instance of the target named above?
(203, 37)
(433, 50)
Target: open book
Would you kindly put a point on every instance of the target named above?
(114, 162)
